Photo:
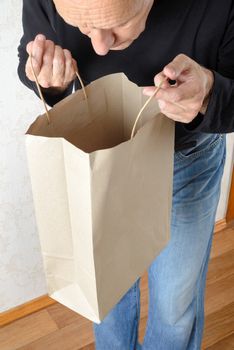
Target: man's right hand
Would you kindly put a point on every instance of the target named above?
(54, 67)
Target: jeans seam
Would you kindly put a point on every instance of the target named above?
(198, 283)
(137, 301)
(137, 318)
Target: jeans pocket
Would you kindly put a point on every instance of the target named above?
(204, 147)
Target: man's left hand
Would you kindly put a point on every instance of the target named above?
(189, 95)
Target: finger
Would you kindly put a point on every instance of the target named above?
(28, 68)
(187, 112)
(37, 51)
(46, 73)
(178, 94)
(29, 47)
(58, 67)
(151, 90)
(160, 78)
(180, 63)
(70, 67)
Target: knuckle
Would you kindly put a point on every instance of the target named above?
(67, 53)
(48, 57)
(38, 45)
(40, 37)
(58, 50)
(182, 56)
(50, 43)
(58, 60)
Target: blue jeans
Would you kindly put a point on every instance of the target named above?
(177, 276)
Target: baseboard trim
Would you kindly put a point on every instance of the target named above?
(44, 301)
(220, 225)
(25, 309)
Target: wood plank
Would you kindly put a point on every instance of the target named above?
(219, 294)
(220, 267)
(225, 344)
(26, 330)
(221, 244)
(63, 316)
(218, 325)
(69, 331)
(72, 337)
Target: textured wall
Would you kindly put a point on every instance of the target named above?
(21, 272)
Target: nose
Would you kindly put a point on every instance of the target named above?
(102, 40)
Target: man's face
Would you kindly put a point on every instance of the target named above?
(110, 24)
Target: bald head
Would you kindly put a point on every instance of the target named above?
(113, 23)
(98, 13)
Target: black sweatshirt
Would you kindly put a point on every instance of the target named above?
(201, 29)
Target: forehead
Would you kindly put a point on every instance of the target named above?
(98, 13)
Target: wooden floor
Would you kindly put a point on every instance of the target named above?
(58, 328)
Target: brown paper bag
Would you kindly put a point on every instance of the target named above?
(102, 200)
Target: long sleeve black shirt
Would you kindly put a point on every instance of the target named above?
(201, 29)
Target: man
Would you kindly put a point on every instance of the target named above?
(190, 42)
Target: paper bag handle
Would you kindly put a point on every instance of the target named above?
(145, 105)
(85, 95)
(40, 93)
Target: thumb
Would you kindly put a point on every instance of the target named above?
(177, 66)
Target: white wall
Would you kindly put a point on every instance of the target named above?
(226, 181)
(21, 272)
